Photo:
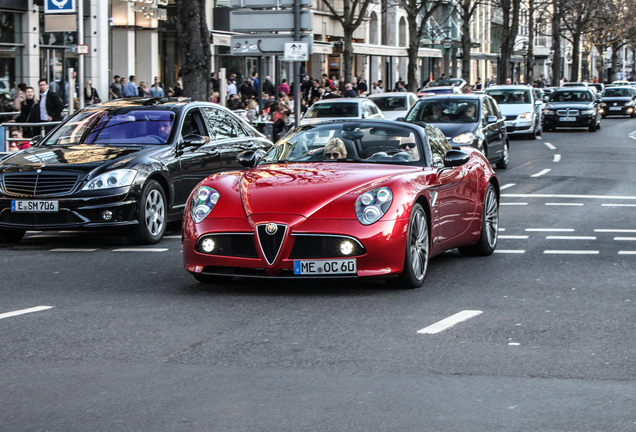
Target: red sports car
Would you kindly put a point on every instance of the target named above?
(359, 198)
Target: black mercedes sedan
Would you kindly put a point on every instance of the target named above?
(619, 101)
(467, 120)
(571, 107)
(127, 163)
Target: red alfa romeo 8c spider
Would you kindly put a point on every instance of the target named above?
(359, 198)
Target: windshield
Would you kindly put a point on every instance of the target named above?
(335, 109)
(571, 96)
(617, 92)
(445, 111)
(123, 126)
(349, 142)
(446, 82)
(504, 97)
(390, 103)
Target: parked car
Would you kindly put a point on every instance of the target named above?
(521, 108)
(618, 101)
(467, 120)
(128, 163)
(353, 198)
(572, 107)
(344, 108)
(394, 104)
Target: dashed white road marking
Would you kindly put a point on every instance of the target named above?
(172, 237)
(617, 197)
(550, 146)
(571, 252)
(25, 311)
(627, 252)
(450, 321)
(540, 173)
(632, 135)
(605, 230)
(549, 229)
(140, 250)
(72, 250)
(622, 238)
(501, 229)
(513, 204)
(570, 238)
(618, 205)
(507, 186)
(557, 157)
(564, 204)
(510, 251)
(521, 237)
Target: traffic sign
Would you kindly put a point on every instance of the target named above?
(59, 6)
(296, 51)
(269, 20)
(266, 44)
(267, 4)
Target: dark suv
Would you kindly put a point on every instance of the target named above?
(572, 107)
(466, 120)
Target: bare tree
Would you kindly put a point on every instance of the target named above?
(510, 29)
(466, 10)
(352, 15)
(194, 44)
(578, 20)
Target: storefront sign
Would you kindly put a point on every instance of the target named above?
(59, 6)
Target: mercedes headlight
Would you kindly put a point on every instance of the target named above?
(466, 138)
(548, 112)
(372, 205)
(587, 112)
(527, 116)
(203, 201)
(112, 179)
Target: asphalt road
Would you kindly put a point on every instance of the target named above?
(132, 343)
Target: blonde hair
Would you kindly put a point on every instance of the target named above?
(336, 144)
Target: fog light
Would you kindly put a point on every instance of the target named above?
(207, 245)
(107, 215)
(346, 247)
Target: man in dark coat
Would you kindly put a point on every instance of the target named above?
(268, 86)
(51, 106)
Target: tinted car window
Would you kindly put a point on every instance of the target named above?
(572, 96)
(221, 123)
(517, 96)
(439, 145)
(391, 103)
(324, 110)
(618, 92)
(486, 110)
(444, 111)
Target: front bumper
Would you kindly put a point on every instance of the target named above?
(519, 126)
(618, 110)
(554, 121)
(384, 245)
(76, 211)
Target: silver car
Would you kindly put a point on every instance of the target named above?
(344, 108)
(394, 104)
(521, 108)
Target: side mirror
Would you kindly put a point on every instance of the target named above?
(538, 102)
(36, 140)
(193, 140)
(491, 119)
(400, 119)
(250, 158)
(365, 114)
(454, 158)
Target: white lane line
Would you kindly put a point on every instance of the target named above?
(71, 250)
(570, 238)
(501, 229)
(615, 230)
(513, 237)
(450, 321)
(507, 186)
(627, 252)
(140, 250)
(518, 204)
(618, 205)
(619, 238)
(549, 229)
(540, 173)
(571, 252)
(617, 197)
(510, 251)
(172, 237)
(25, 311)
(564, 204)
(557, 157)
(632, 135)
(550, 146)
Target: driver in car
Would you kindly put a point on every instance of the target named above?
(409, 146)
(165, 126)
(335, 149)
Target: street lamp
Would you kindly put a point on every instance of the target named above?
(524, 53)
(447, 43)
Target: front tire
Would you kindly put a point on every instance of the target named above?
(593, 128)
(417, 251)
(503, 162)
(489, 227)
(11, 236)
(152, 215)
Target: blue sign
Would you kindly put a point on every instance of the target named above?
(59, 6)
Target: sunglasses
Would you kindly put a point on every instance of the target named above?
(409, 145)
(332, 155)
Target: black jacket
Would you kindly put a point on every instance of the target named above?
(268, 88)
(29, 113)
(54, 106)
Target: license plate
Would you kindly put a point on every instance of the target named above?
(567, 118)
(34, 206)
(615, 108)
(325, 267)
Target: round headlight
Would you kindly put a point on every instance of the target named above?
(207, 245)
(371, 214)
(346, 247)
(214, 198)
(200, 212)
(367, 199)
(203, 194)
(383, 195)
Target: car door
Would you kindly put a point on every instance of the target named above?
(456, 195)
(495, 133)
(230, 137)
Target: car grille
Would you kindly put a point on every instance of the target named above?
(322, 246)
(568, 112)
(66, 218)
(511, 117)
(42, 184)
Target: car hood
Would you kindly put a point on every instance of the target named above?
(451, 130)
(303, 189)
(393, 115)
(571, 105)
(515, 109)
(617, 99)
(83, 157)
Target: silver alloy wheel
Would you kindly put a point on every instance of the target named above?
(154, 212)
(419, 245)
(505, 154)
(491, 211)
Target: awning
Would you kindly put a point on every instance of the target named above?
(390, 51)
